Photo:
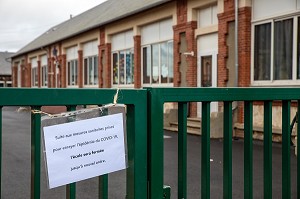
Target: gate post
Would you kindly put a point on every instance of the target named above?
(155, 144)
(35, 153)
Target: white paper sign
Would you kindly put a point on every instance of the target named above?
(84, 149)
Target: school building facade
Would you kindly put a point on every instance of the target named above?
(169, 43)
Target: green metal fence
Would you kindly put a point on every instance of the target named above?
(136, 174)
(158, 96)
(145, 135)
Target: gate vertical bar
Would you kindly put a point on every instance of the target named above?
(155, 144)
(103, 187)
(268, 149)
(35, 153)
(103, 180)
(205, 151)
(1, 151)
(182, 149)
(71, 188)
(227, 151)
(286, 150)
(248, 150)
(130, 174)
(137, 152)
(298, 150)
(136, 143)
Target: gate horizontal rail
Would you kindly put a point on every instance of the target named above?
(157, 97)
(136, 186)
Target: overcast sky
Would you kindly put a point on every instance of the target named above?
(21, 21)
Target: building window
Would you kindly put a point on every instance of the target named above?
(8, 84)
(123, 67)
(158, 63)
(90, 74)
(283, 49)
(207, 16)
(34, 73)
(44, 71)
(262, 52)
(274, 55)
(72, 72)
(44, 75)
(206, 71)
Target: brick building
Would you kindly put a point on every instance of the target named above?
(168, 43)
(5, 69)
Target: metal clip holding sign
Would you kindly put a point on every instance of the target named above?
(86, 143)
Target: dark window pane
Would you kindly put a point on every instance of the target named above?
(164, 62)
(283, 49)
(146, 65)
(262, 52)
(85, 68)
(170, 61)
(155, 63)
(121, 67)
(115, 68)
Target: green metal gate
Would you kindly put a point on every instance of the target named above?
(145, 135)
(136, 126)
(158, 96)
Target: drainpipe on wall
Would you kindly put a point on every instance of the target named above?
(236, 43)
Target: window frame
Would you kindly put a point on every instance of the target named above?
(94, 60)
(34, 74)
(44, 76)
(159, 84)
(272, 81)
(8, 84)
(19, 75)
(124, 52)
(69, 73)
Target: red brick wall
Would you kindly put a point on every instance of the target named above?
(137, 61)
(107, 68)
(80, 69)
(224, 19)
(23, 73)
(101, 51)
(189, 29)
(51, 73)
(104, 61)
(63, 71)
(181, 11)
(177, 58)
(28, 74)
(15, 76)
(39, 72)
(244, 45)
(244, 53)
(191, 75)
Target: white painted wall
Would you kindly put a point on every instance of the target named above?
(207, 16)
(90, 48)
(72, 53)
(263, 9)
(122, 41)
(157, 32)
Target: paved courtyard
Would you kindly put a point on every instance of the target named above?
(16, 166)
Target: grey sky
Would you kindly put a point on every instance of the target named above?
(23, 21)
